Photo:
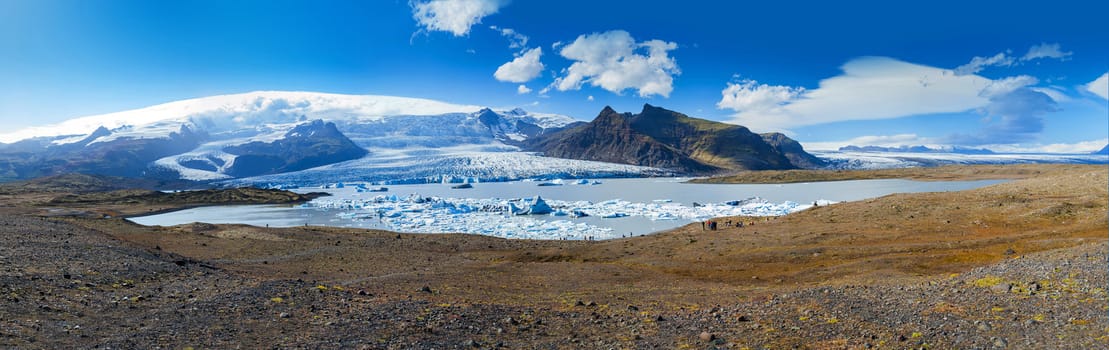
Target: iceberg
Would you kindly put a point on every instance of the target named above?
(537, 207)
(486, 216)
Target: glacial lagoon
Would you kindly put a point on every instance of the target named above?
(615, 207)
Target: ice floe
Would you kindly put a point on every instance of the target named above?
(533, 218)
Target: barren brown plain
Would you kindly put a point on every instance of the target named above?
(1021, 264)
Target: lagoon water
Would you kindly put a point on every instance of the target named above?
(650, 205)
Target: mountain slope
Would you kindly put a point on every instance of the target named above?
(100, 155)
(260, 133)
(661, 138)
(1104, 150)
(306, 146)
(793, 151)
(612, 138)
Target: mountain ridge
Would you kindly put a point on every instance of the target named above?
(255, 134)
(662, 138)
(916, 149)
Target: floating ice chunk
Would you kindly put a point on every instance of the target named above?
(486, 216)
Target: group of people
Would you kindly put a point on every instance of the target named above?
(711, 225)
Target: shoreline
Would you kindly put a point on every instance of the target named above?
(679, 217)
(1017, 260)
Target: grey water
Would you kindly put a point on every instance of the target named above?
(639, 190)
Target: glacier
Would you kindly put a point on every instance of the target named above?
(409, 140)
(468, 163)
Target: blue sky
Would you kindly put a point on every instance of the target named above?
(1004, 75)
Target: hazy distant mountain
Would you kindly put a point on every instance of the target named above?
(916, 149)
(1104, 150)
(97, 153)
(661, 138)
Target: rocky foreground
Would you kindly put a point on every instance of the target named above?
(1018, 265)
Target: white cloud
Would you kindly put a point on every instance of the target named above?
(522, 89)
(1053, 92)
(873, 88)
(515, 39)
(590, 98)
(748, 94)
(523, 68)
(978, 63)
(1100, 86)
(614, 61)
(1045, 50)
(454, 16)
(1013, 117)
(1003, 59)
(869, 88)
(1006, 85)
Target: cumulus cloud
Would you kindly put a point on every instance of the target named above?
(1045, 50)
(522, 89)
(523, 68)
(614, 61)
(515, 39)
(454, 16)
(590, 98)
(748, 94)
(1100, 86)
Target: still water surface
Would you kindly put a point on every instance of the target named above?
(641, 190)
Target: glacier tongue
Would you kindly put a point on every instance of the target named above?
(474, 163)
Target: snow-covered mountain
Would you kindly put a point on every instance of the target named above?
(263, 133)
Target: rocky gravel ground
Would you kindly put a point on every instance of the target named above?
(1020, 265)
(64, 286)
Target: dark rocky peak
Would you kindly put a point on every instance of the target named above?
(98, 133)
(651, 115)
(606, 111)
(316, 128)
(488, 117)
(648, 108)
(610, 116)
